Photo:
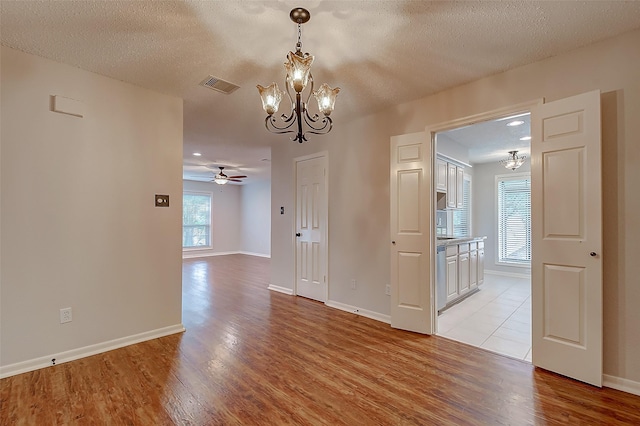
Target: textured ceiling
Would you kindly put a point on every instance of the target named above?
(380, 53)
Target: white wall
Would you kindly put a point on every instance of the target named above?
(256, 218)
(485, 217)
(79, 226)
(226, 213)
(359, 181)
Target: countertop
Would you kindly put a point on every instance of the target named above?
(448, 241)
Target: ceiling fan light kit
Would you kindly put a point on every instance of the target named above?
(222, 179)
(298, 78)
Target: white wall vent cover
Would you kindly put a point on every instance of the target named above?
(219, 85)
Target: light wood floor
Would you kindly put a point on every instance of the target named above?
(255, 357)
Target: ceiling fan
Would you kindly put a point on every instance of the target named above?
(222, 179)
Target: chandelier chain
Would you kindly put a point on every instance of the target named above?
(299, 44)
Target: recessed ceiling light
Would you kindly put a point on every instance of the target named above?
(197, 154)
(515, 123)
(525, 138)
(511, 117)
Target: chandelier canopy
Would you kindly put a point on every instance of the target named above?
(298, 78)
(513, 161)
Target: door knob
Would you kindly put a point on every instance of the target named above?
(298, 234)
(593, 254)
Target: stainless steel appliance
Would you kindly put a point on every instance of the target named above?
(441, 278)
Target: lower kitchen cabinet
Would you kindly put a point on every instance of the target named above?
(473, 267)
(464, 269)
(480, 262)
(452, 273)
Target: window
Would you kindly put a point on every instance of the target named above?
(514, 219)
(462, 217)
(196, 220)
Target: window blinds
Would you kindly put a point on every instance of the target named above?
(514, 220)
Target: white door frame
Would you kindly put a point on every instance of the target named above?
(324, 155)
(431, 131)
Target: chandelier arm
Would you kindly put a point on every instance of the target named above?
(310, 89)
(325, 128)
(271, 124)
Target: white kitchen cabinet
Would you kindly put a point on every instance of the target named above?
(459, 187)
(454, 184)
(473, 266)
(480, 262)
(463, 269)
(452, 273)
(452, 175)
(441, 175)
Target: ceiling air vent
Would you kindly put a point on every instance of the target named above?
(219, 85)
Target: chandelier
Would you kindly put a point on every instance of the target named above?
(298, 78)
(513, 161)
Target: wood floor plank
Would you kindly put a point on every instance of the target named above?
(255, 357)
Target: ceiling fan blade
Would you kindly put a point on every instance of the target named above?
(234, 180)
(236, 177)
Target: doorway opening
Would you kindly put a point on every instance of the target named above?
(483, 234)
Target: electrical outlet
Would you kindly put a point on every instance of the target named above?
(387, 290)
(65, 315)
(353, 284)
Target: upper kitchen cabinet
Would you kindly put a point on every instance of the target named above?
(449, 180)
(441, 175)
(452, 186)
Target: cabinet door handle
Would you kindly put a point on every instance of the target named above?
(298, 234)
(593, 254)
(393, 242)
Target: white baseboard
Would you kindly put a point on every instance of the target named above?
(248, 253)
(205, 253)
(208, 253)
(279, 289)
(506, 274)
(73, 354)
(362, 312)
(618, 383)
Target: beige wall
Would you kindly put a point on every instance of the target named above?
(359, 181)
(256, 218)
(79, 226)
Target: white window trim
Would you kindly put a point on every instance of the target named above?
(210, 246)
(510, 176)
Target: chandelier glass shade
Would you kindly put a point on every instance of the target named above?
(513, 161)
(299, 79)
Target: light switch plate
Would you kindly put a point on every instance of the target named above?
(162, 200)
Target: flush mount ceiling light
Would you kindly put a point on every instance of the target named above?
(298, 78)
(525, 138)
(515, 123)
(513, 161)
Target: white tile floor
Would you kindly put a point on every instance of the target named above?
(497, 318)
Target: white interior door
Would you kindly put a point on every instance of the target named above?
(566, 265)
(411, 237)
(311, 228)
